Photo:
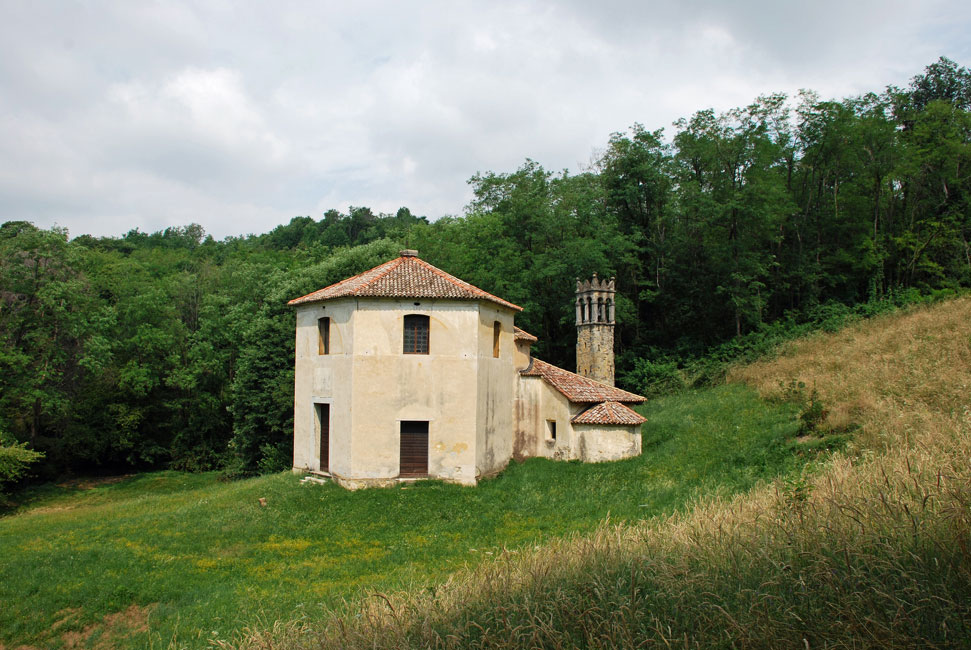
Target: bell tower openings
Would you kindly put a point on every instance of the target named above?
(595, 329)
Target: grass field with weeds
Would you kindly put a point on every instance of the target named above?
(869, 549)
(184, 560)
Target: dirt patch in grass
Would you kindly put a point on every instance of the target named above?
(64, 617)
(91, 483)
(112, 629)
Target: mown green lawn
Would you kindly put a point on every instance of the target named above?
(204, 559)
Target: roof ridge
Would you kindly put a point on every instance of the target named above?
(339, 282)
(391, 267)
(459, 282)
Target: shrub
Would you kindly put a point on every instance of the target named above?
(14, 460)
(654, 378)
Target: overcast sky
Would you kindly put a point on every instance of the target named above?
(241, 115)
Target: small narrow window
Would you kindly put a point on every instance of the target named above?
(323, 336)
(496, 331)
(416, 334)
(551, 430)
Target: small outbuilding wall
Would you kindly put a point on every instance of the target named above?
(599, 443)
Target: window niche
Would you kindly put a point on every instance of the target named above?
(415, 334)
(496, 332)
(551, 431)
(323, 335)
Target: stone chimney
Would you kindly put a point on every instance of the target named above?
(595, 329)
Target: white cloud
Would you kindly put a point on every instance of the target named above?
(240, 116)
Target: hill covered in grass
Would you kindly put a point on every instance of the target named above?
(181, 560)
(870, 549)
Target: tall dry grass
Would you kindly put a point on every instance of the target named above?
(872, 549)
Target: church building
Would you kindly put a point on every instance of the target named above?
(405, 372)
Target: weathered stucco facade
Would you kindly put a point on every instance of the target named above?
(405, 371)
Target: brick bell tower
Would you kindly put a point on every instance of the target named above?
(595, 329)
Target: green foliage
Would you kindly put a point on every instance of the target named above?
(745, 229)
(261, 390)
(15, 459)
(653, 378)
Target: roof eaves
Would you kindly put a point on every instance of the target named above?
(609, 413)
(576, 388)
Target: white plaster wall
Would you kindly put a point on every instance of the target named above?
(599, 443)
(389, 386)
(323, 379)
(521, 355)
(496, 386)
(537, 402)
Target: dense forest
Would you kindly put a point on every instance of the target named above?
(173, 349)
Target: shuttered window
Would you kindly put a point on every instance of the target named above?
(414, 449)
(416, 334)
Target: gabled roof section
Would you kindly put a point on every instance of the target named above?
(523, 335)
(404, 277)
(578, 389)
(609, 413)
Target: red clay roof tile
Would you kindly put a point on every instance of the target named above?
(576, 388)
(609, 413)
(403, 277)
(523, 335)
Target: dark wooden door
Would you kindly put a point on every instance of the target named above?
(323, 422)
(414, 449)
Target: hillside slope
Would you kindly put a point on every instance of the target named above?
(871, 550)
(174, 559)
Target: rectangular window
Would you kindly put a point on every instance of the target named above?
(551, 430)
(323, 336)
(496, 331)
(416, 334)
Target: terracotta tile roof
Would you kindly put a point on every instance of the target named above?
(609, 413)
(403, 277)
(576, 388)
(523, 335)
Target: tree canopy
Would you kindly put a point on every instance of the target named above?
(173, 349)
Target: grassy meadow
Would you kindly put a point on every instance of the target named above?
(870, 548)
(184, 560)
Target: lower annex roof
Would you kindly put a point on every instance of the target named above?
(609, 413)
(577, 388)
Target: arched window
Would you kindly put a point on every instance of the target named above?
(416, 334)
(600, 310)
